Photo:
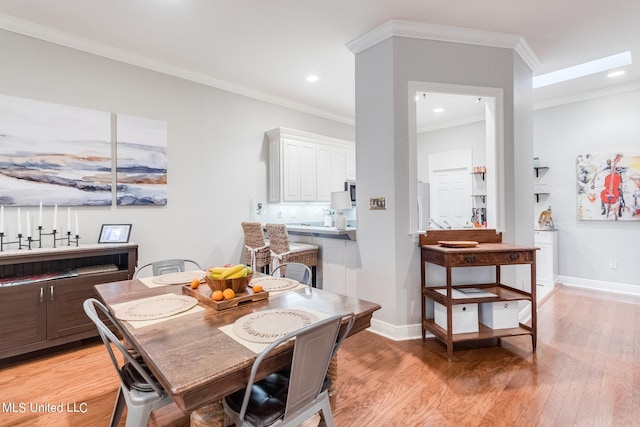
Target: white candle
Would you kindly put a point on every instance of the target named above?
(77, 226)
(28, 225)
(19, 222)
(55, 217)
(69, 219)
(40, 215)
(2, 219)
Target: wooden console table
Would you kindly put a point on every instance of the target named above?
(490, 251)
(42, 291)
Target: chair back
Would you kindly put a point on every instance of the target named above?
(278, 238)
(295, 271)
(166, 266)
(109, 338)
(314, 347)
(253, 234)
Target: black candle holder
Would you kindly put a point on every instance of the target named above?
(3, 243)
(30, 242)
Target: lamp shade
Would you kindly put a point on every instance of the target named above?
(340, 200)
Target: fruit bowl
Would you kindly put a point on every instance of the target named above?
(238, 285)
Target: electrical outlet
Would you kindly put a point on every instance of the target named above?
(613, 265)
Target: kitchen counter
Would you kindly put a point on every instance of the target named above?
(317, 229)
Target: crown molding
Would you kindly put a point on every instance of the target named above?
(51, 35)
(588, 95)
(419, 30)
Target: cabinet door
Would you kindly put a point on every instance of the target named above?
(290, 171)
(308, 170)
(333, 266)
(23, 311)
(65, 315)
(338, 169)
(323, 184)
(351, 164)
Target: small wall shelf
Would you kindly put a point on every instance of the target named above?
(479, 173)
(538, 196)
(482, 196)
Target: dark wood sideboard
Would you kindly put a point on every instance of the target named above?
(42, 291)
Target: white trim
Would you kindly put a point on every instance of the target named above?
(419, 30)
(587, 95)
(93, 47)
(598, 285)
(397, 333)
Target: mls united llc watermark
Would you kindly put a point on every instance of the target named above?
(44, 407)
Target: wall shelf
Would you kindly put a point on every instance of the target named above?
(538, 196)
(538, 168)
(482, 196)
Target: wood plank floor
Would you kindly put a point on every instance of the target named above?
(586, 372)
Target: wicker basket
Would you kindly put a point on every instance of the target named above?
(238, 285)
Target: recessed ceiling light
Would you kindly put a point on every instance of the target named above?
(312, 78)
(581, 70)
(617, 73)
(438, 110)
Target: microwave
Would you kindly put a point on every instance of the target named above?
(350, 186)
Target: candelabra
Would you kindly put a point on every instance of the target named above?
(30, 242)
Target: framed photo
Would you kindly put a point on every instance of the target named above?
(115, 233)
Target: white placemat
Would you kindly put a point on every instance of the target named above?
(259, 347)
(156, 307)
(142, 323)
(155, 281)
(270, 283)
(267, 326)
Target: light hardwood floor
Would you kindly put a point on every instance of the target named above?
(585, 372)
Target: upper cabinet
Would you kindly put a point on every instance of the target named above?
(306, 167)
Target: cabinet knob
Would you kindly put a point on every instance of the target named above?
(51, 293)
(514, 256)
(469, 259)
(41, 295)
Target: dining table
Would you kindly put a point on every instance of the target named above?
(194, 354)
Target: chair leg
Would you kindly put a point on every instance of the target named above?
(327, 415)
(117, 409)
(138, 416)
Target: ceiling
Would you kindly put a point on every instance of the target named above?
(266, 48)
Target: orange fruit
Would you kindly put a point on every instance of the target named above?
(217, 296)
(195, 283)
(257, 288)
(228, 293)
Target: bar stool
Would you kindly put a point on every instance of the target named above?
(257, 251)
(283, 251)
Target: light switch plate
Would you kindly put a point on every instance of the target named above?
(377, 203)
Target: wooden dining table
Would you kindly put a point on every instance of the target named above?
(196, 362)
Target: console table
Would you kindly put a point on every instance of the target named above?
(490, 251)
(42, 291)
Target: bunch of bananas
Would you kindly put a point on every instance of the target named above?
(229, 272)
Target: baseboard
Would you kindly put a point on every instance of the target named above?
(598, 285)
(397, 333)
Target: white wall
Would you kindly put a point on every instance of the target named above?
(217, 150)
(601, 125)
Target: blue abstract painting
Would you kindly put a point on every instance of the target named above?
(54, 154)
(141, 156)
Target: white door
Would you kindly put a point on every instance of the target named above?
(450, 189)
(453, 197)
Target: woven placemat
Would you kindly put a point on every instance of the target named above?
(155, 307)
(269, 325)
(271, 284)
(178, 278)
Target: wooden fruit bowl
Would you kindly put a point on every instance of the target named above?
(238, 285)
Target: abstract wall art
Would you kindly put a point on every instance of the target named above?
(141, 168)
(609, 186)
(54, 154)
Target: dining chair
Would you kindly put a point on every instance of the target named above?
(139, 390)
(295, 271)
(167, 266)
(257, 249)
(283, 251)
(289, 397)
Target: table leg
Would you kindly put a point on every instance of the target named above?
(208, 416)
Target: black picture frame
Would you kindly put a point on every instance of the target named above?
(115, 233)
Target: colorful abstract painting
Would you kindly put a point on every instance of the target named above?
(141, 170)
(54, 154)
(609, 186)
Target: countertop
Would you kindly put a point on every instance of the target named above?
(317, 229)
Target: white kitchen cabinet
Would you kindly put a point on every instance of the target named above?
(546, 257)
(350, 155)
(304, 167)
